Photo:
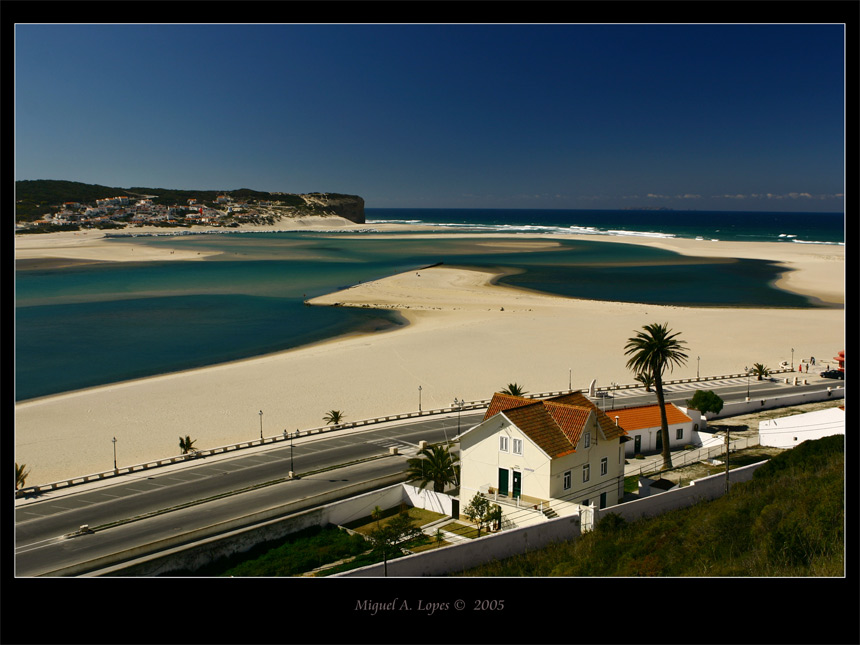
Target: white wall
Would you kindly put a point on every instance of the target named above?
(787, 432)
(758, 404)
(427, 499)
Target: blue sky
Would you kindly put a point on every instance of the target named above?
(711, 117)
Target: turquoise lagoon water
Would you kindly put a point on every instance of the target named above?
(89, 325)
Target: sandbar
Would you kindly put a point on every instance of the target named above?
(466, 338)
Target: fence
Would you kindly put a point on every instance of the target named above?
(167, 461)
(683, 458)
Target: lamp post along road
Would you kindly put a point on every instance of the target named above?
(114, 454)
(419, 399)
(261, 424)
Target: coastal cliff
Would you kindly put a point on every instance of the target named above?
(349, 207)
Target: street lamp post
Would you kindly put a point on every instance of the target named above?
(292, 470)
(698, 358)
(419, 399)
(792, 359)
(459, 406)
(114, 453)
(261, 424)
(570, 379)
(748, 385)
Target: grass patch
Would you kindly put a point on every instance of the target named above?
(419, 517)
(463, 530)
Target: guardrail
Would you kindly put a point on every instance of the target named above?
(471, 405)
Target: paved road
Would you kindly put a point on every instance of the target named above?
(40, 523)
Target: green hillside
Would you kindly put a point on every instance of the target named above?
(787, 521)
(34, 198)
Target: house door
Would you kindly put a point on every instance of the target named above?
(659, 441)
(503, 481)
(518, 484)
(637, 444)
(602, 500)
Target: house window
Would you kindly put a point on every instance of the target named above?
(586, 472)
(679, 434)
(604, 465)
(518, 446)
(567, 480)
(587, 439)
(503, 443)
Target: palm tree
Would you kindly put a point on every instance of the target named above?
(514, 389)
(20, 475)
(186, 445)
(436, 464)
(645, 379)
(376, 514)
(333, 417)
(651, 351)
(760, 370)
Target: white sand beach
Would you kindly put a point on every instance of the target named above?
(466, 339)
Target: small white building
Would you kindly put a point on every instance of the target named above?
(559, 450)
(642, 424)
(788, 432)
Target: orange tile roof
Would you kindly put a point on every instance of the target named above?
(648, 416)
(555, 424)
(501, 402)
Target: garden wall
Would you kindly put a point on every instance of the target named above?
(465, 555)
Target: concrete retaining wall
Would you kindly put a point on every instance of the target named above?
(197, 548)
(759, 404)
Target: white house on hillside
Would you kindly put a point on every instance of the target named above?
(642, 424)
(563, 449)
(788, 432)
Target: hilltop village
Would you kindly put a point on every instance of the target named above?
(175, 209)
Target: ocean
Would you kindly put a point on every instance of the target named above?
(88, 325)
(738, 226)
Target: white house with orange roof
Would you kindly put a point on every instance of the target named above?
(642, 424)
(547, 452)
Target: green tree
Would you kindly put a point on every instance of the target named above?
(495, 517)
(760, 370)
(435, 464)
(706, 401)
(479, 512)
(21, 473)
(651, 351)
(647, 380)
(186, 444)
(514, 389)
(333, 417)
(387, 539)
(376, 514)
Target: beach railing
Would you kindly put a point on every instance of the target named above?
(196, 454)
